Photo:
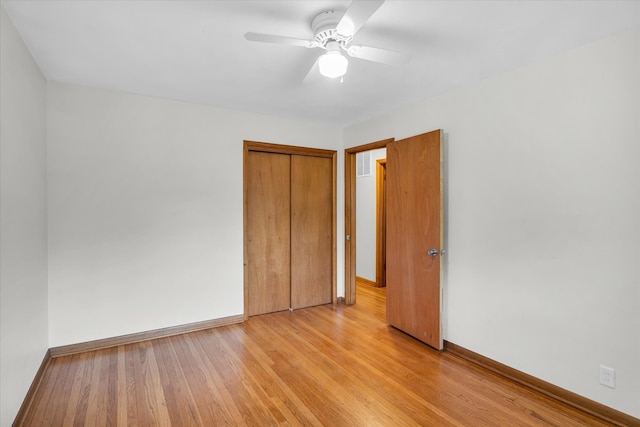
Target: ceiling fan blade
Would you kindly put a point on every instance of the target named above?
(313, 75)
(375, 54)
(355, 17)
(270, 38)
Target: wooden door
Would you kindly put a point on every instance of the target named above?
(268, 232)
(311, 230)
(290, 229)
(415, 227)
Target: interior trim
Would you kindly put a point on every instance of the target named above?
(366, 282)
(66, 350)
(567, 397)
(35, 385)
(381, 222)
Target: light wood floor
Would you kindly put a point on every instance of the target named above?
(327, 365)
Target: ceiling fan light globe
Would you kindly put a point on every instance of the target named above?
(333, 64)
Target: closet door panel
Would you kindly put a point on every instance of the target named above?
(268, 232)
(311, 225)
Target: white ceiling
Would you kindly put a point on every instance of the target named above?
(195, 51)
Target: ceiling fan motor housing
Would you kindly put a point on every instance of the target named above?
(324, 28)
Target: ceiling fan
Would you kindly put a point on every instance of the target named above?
(333, 32)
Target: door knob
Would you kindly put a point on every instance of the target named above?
(433, 252)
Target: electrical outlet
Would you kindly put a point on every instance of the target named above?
(607, 376)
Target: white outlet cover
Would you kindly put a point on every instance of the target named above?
(607, 376)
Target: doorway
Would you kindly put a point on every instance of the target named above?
(370, 217)
(414, 233)
(350, 215)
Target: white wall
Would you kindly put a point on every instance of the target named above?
(146, 209)
(543, 190)
(366, 220)
(23, 234)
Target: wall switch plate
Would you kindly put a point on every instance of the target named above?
(607, 376)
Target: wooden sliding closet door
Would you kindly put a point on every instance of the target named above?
(268, 232)
(289, 227)
(311, 230)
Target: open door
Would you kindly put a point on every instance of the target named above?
(415, 236)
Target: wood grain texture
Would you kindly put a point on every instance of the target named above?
(350, 228)
(334, 228)
(381, 222)
(331, 365)
(268, 232)
(414, 226)
(307, 278)
(311, 231)
(287, 149)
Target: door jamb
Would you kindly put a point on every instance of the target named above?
(350, 215)
(381, 226)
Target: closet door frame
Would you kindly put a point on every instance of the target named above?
(291, 150)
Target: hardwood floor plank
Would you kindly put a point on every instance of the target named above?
(243, 366)
(331, 365)
(391, 393)
(64, 391)
(53, 401)
(121, 388)
(195, 377)
(485, 411)
(86, 388)
(93, 388)
(401, 382)
(235, 382)
(281, 393)
(223, 398)
(180, 402)
(73, 395)
(296, 373)
(213, 395)
(112, 407)
(153, 399)
(133, 377)
(102, 407)
(347, 387)
(38, 408)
